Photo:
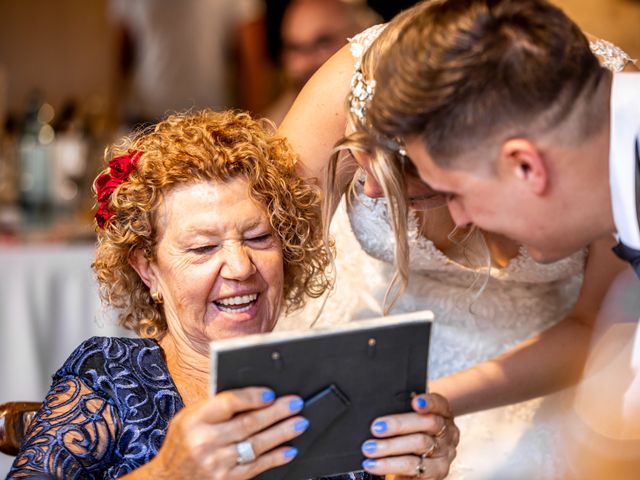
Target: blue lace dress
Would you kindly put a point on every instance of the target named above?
(107, 413)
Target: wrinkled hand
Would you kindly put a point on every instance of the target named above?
(417, 444)
(201, 439)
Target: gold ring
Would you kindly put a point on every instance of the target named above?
(441, 432)
(429, 453)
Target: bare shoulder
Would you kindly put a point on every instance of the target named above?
(317, 119)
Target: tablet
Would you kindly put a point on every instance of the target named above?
(348, 375)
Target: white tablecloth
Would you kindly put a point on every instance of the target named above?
(48, 305)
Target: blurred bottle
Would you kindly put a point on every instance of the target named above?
(34, 159)
(69, 162)
(9, 216)
(7, 149)
(8, 166)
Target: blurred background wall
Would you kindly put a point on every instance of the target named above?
(64, 48)
(615, 20)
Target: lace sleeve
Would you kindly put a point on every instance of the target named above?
(362, 41)
(610, 55)
(71, 436)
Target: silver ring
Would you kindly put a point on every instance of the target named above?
(420, 469)
(245, 452)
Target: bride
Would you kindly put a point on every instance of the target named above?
(507, 331)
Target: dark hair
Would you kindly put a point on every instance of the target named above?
(467, 71)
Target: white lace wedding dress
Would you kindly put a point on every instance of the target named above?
(518, 302)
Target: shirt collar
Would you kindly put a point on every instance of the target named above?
(625, 129)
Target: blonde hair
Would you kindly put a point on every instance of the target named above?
(387, 165)
(199, 147)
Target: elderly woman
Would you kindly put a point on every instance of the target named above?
(205, 232)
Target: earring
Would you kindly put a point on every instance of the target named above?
(157, 298)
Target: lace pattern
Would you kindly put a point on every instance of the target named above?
(467, 330)
(362, 41)
(611, 56)
(518, 302)
(371, 225)
(106, 414)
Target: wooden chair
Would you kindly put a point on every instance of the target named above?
(15, 418)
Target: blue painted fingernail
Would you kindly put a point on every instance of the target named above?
(295, 405)
(369, 464)
(380, 427)
(290, 453)
(268, 396)
(301, 425)
(421, 402)
(369, 446)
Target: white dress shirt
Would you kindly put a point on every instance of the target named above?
(625, 129)
(624, 178)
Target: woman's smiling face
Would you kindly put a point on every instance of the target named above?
(219, 266)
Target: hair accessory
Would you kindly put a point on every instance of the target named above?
(157, 298)
(119, 170)
(613, 57)
(362, 91)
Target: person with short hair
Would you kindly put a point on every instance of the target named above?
(311, 32)
(503, 108)
(511, 96)
(508, 329)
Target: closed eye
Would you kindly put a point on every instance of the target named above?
(260, 240)
(204, 249)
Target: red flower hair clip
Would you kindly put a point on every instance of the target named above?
(119, 170)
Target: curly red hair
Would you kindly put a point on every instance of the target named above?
(206, 146)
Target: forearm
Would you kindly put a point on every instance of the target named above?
(317, 118)
(541, 365)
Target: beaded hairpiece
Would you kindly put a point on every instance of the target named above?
(120, 169)
(362, 91)
(613, 57)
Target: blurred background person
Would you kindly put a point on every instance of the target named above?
(189, 54)
(311, 31)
